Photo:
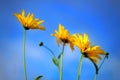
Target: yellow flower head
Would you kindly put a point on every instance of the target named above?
(62, 35)
(80, 41)
(89, 51)
(28, 21)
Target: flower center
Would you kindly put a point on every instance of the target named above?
(65, 40)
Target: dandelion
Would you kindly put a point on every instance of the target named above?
(62, 36)
(89, 51)
(28, 22)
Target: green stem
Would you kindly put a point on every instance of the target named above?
(49, 50)
(95, 77)
(79, 67)
(102, 62)
(61, 62)
(24, 54)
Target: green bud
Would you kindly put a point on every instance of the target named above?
(55, 61)
(41, 44)
(107, 54)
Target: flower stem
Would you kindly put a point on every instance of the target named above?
(49, 50)
(102, 62)
(79, 67)
(24, 54)
(61, 62)
(95, 77)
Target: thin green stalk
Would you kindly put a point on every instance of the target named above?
(95, 77)
(54, 59)
(24, 55)
(61, 62)
(79, 67)
(49, 50)
(102, 62)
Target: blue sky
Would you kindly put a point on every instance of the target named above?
(99, 19)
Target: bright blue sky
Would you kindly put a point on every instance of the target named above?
(100, 19)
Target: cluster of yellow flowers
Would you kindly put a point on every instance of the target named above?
(82, 42)
(87, 49)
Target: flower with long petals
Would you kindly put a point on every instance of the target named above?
(63, 36)
(90, 51)
(28, 21)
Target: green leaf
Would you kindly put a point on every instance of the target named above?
(39, 77)
(55, 61)
(59, 55)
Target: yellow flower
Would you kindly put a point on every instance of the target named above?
(62, 35)
(90, 51)
(28, 21)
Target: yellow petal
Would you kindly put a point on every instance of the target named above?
(40, 22)
(23, 13)
(72, 46)
(20, 18)
(85, 37)
(80, 37)
(94, 55)
(98, 50)
(94, 60)
(28, 16)
(61, 28)
(41, 27)
(30, 19)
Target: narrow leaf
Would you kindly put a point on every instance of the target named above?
(39, 77)
(55, 61)
(59, 55)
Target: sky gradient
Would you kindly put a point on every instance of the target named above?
(100, 19)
